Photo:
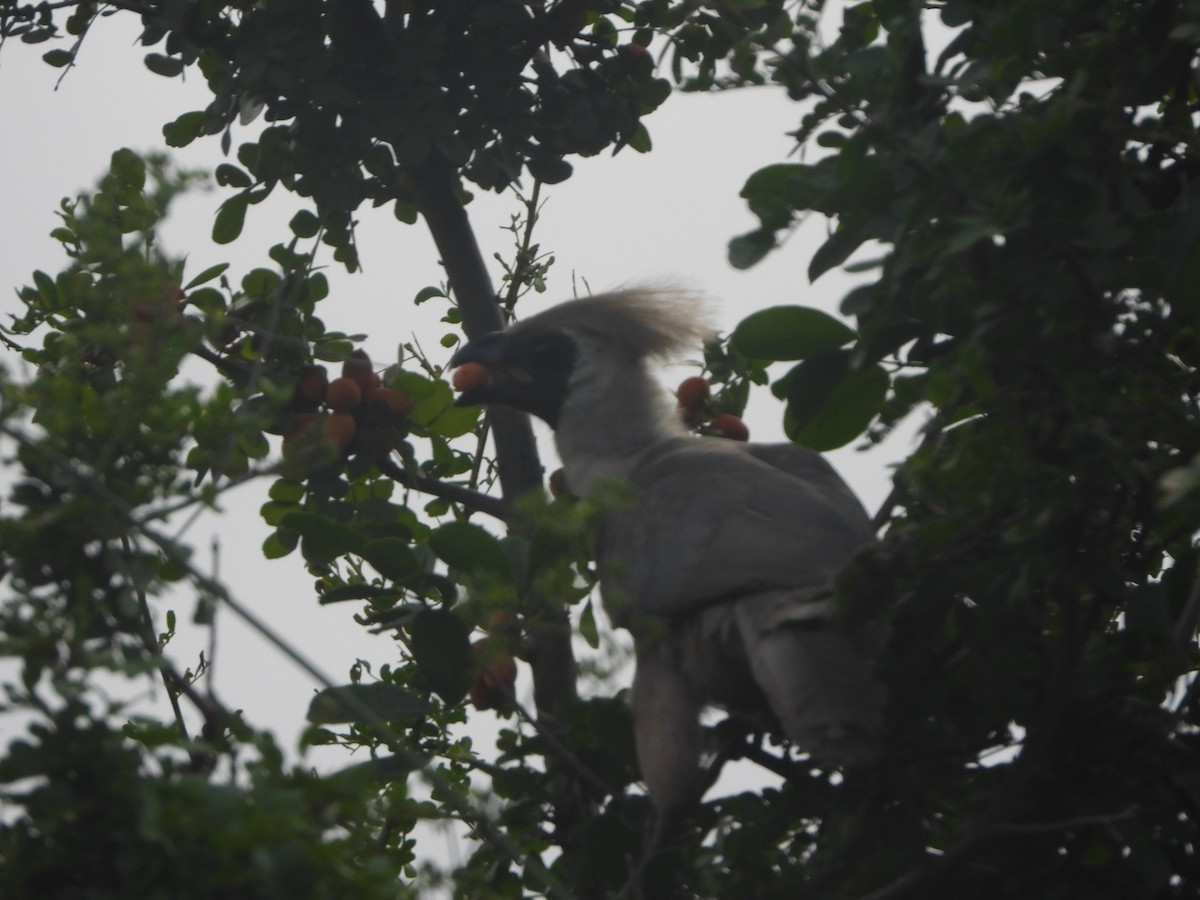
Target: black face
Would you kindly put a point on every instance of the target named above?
(529, 370)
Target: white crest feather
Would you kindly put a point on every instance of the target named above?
(639, 322)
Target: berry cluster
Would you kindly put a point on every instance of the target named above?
(694, 396)
(328, 412)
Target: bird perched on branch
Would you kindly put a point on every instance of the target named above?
(722, 564)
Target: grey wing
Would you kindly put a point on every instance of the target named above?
(713, 520)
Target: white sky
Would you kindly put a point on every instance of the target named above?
(623, 219)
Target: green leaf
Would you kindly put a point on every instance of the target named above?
(381, 769)
(58, 58)
(229, 175)
(322, 539)
(549, 170)
(129, 168)
(392, 558)
(470, 549)
(789, 332)
(441, 648)
(184, 129)
(366, 703)
(280, 543)
(305, 224)
(748, 249)
(428, 293)
(230, 218)
(167, 66)
(207, 275)
(835, 251)
(830, 404)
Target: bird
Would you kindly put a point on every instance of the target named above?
(722, 560)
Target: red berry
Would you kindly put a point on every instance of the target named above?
(471, 375)
(730, 426)
(692, 392)
(399, 403)
(343, 394)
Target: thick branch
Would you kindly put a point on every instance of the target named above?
(434, 186)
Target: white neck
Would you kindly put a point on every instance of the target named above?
(612, 413)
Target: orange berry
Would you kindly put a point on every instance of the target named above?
(343, 394)
(399, 403)
(692, 392)
(730, 426)
(471, 375)
(483, 693)
(358, 368)
(340, 428)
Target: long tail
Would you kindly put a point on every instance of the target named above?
(815, 676)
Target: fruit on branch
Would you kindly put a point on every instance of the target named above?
(469, 376)
(343, 394)
(728, 425)
(340, 428)
(358, 368)
(400, 404)
(692, 393)
(495, 675)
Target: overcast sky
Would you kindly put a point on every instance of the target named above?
(618, 220)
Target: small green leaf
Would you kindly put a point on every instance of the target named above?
(835, 251)
(748, 249)
(789, 332)
(230, 218)
(229, 175)
(549, 170)
(830, 404)
(207, 275)
(129, 168)
(167, 66)
(184, 129)
(305, 224)
(428, 293)
(384, 768)
(323, 539)
(441, 648)
(58, 58)
(470, 549)
(392, 558)
(366, 703)
(280, 543)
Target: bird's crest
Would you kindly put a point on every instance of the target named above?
(643, 322)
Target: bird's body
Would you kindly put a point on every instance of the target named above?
(722, 561)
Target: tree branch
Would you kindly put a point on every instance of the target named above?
(496, 507)
(435, 188)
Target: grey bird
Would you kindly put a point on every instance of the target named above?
(722, 563)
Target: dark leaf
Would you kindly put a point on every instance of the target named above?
(441, 647)
(788, 333)
(365, 704)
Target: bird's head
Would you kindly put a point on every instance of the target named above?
(588, 350)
